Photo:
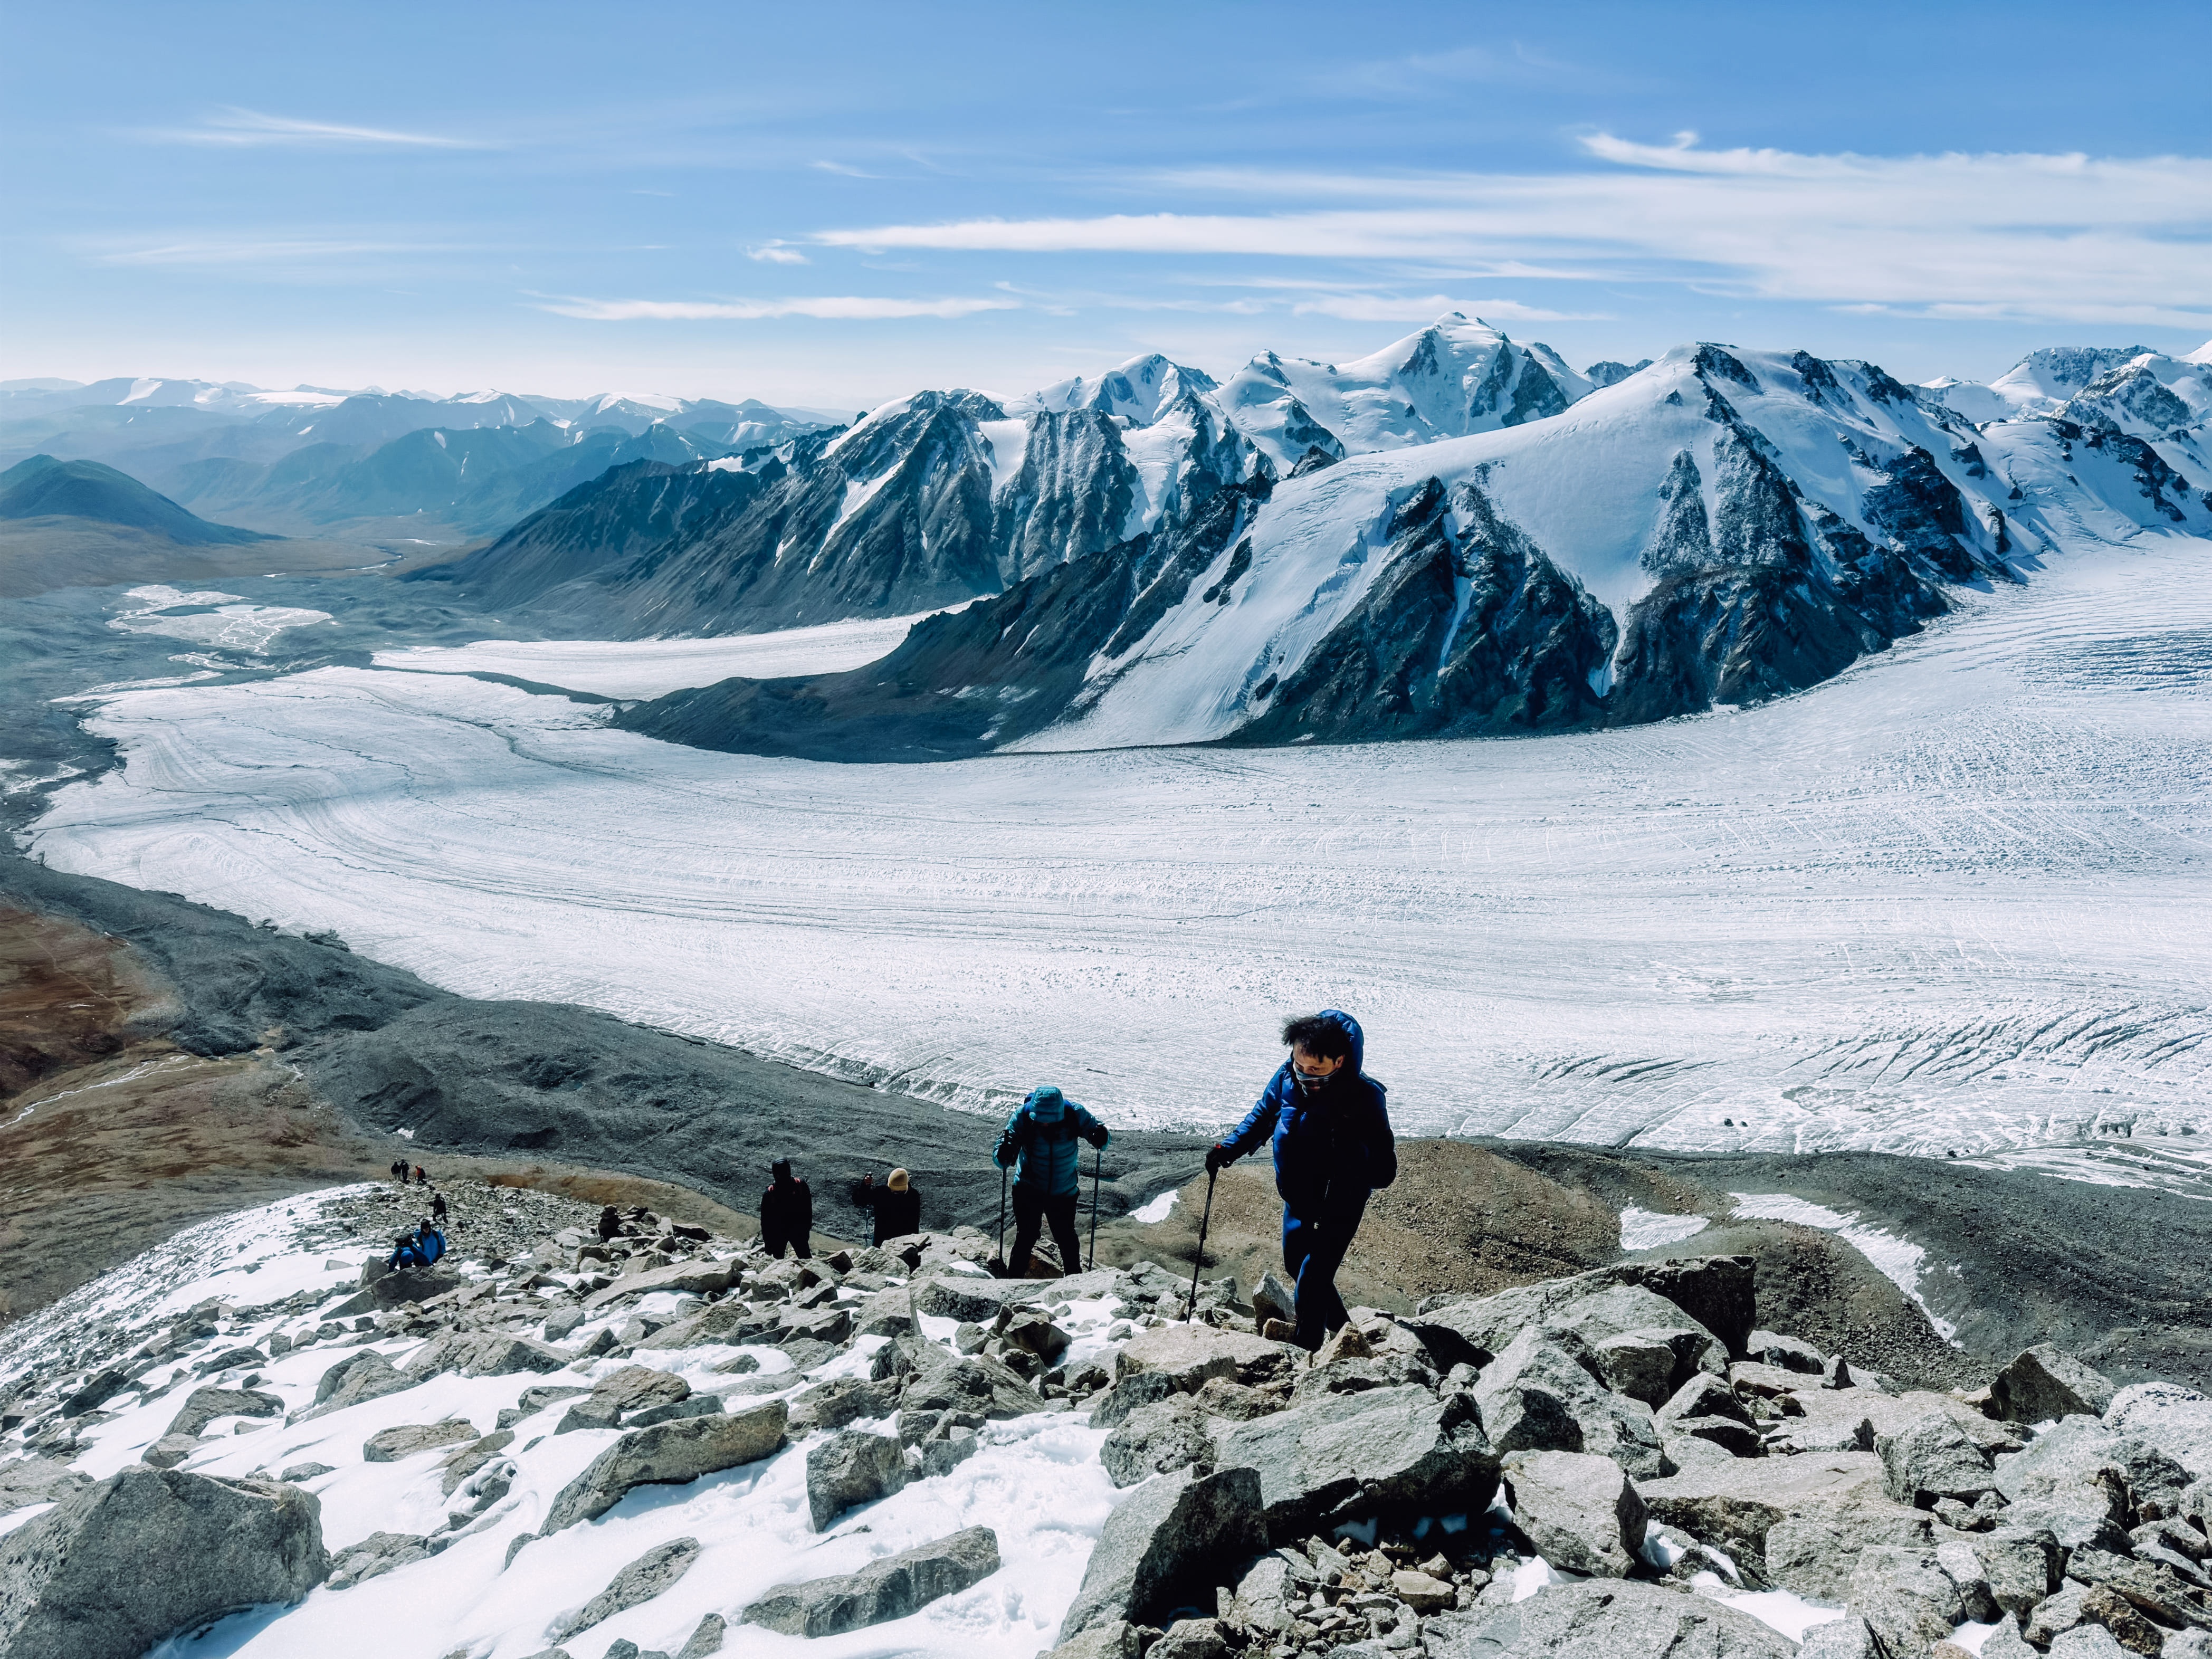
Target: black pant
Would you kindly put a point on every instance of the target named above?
(1032, 1209)
(775, 1241)
(1312, 1252)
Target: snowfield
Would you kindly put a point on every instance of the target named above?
(1955, 900)
(652, 668)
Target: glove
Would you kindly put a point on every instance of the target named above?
(1098, 1137)
(1218, 1158)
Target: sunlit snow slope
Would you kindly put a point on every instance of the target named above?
(1958, 897)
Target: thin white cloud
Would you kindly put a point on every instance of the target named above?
(849, 307)
(840, 170)
(776, 254)
(240, 127)
(273, 250)
(2069, 238)
(1390, 308)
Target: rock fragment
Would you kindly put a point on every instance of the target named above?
(884, 1590)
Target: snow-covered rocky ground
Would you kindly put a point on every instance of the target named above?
(261, 1291)
(1955, 900)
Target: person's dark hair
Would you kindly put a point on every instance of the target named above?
(1324, 1039)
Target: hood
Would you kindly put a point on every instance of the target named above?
(1046, 1105)
(1350, 1027)
(780, 1169)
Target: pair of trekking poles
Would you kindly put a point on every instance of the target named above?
(1097, 1164)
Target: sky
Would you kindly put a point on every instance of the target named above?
(832, 206)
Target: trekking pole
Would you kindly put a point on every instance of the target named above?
(1002, 1220)
(1201, 1263)
(1097, 1164)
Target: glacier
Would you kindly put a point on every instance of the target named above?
(1952, 900)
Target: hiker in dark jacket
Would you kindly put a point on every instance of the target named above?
(1039, 1144)
(896, 1205)
(438, 1208)
(610, 1223)
(786, 1213)
(1331, 1128)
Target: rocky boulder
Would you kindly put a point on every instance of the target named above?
(972, 1298)
(202, 1406)
(1582, 1514)
(696, 1276)
(973, 1383)
(1386, 1452)
(888, 1589)
(2175, 1419)
(1611, 1619)
(404, 1440)
(657, 1570)
(363, 1375)
(1189, 1356)
(1796, 1523)
(485, 1353)
(1933, 1459)
(2043, 1383)
(1167, 1544)
(80, 1581)
(850, 1469)
(1155, 1439)
(37, 1480)
(667, 1454)
(1907, 1600)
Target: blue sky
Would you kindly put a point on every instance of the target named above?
(834, 205)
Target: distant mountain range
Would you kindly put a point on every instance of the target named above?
(1458, 534)
(359, 465)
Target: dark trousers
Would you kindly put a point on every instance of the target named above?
(1032, 1209)
(775, 1242)
(1312, 1252)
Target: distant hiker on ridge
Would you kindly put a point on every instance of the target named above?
(896, 1205)
(786, 1213)
(438, 1208)
(1332, 1147)
(398, 1170)
(1040, 1138)
(610, 1222)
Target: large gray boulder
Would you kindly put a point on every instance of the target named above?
(202, 1406)
(1933, 1459)
(2043, 1383)
(1169, 1543)
(698, 1277)
(850, 1469)
(1609, 1618)
(1581, 1512)
(975, 1383)
(363, 1375)
(667, 1454)
(888, 1589)
(1586, 1310)
(2019, 1563)
(112, 1568)
(1155, 1439)
(969, 1298)
(1906, 1599)
(485, 1353)
(37, 1480)
(2081, 1452)
(405, 1439)
(2175, 1419)
(657, 1570)
(1348, 1456)
(1190, 1356)
(1537, 1396)
(1797, 1524)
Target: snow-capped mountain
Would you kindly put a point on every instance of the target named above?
(1723, 526)
(1453, 377)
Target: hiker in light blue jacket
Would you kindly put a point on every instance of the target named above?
(1039, 1147)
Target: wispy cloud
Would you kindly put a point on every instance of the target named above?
(241, 127)
(2031, 236)
(272, 250)
(840, 170)
(845, 308)
(776, 254)
(1391, 308)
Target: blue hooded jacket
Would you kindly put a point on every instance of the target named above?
(1040, 1138)
(1332, 1148)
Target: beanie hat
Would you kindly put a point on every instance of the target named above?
(895, 1180)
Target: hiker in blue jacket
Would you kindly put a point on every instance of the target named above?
(1039, 1144)
(1331, 1128)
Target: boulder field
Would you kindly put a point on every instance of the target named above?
(1618, 1462)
